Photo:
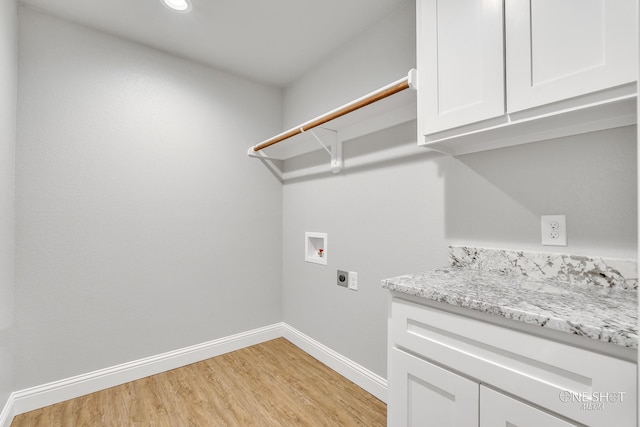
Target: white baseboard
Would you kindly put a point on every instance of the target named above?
(58, 391)
(37, 397)
(363, 377)
(7, 414)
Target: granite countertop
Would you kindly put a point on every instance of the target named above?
(607, 314)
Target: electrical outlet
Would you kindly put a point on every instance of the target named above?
(342, 278)
(353, 280)
(554, 230)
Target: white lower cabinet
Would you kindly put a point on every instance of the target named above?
(427, 395)
(450, 370)
(498, 410)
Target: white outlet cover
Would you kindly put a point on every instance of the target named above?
(353, 280)
(554, 230)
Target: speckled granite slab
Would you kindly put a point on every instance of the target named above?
(601, 313)
(606, 272)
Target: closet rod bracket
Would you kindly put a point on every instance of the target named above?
(335, 151)
(259, 155)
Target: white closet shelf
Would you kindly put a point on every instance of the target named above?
(383, 108)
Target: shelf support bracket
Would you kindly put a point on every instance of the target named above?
(267, 161)
(335, 151)
(259, 155)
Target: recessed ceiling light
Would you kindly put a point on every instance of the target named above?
(179, 5)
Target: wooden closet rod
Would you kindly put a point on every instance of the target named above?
(375, 96)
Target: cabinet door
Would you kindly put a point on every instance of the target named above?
(460, 63)
(498, 410)
(425, 395)
(559, 49)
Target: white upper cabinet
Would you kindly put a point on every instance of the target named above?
(560, 49)
(460, 62)
(571, 67)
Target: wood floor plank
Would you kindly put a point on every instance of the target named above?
(273, 384)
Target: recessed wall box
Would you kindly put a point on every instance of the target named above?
(342, 278)
(315, 247)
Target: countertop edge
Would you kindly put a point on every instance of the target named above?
(620, 337)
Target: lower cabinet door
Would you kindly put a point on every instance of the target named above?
(498, 410)
(423, 394)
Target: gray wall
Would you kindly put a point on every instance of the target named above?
(8, 79)
(142, 225)
(397, 217)
(382, 54)
(496, 197)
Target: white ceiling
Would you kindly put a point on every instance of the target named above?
(271, 41)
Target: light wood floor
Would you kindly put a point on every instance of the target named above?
(269, 384)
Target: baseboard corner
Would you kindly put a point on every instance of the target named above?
(358, 374)
(37, 397)
(7, 413)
